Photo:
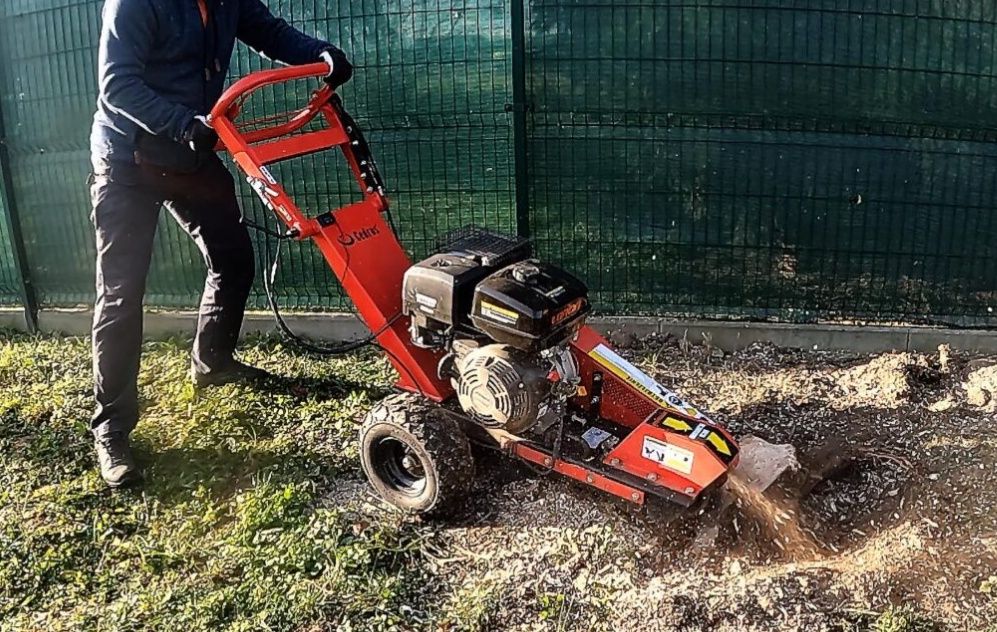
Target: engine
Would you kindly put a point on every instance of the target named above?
(504, 320)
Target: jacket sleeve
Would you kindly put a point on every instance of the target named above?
(126, 39)
(274, 37)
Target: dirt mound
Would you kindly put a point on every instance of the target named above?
(884, 381)
(900, 513)
(763, 376)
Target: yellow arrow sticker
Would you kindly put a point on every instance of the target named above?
(718, 443)
(677, 424)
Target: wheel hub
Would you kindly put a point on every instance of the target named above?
(399, 466)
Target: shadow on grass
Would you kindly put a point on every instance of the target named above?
(173, 475)
(329, 387)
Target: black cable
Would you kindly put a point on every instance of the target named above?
(340, 349)
(266, 230)
(268, 281)
(370, 173)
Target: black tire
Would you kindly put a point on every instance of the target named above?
(416, 456)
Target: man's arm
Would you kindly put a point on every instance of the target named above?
(126, 39)
(274, 37)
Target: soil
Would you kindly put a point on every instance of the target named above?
(894, 506)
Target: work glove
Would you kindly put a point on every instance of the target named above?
(340, 68)
(199, 136)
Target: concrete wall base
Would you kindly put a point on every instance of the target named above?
(13, 318)
(726, 335)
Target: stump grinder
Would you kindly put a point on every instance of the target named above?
(490, 343)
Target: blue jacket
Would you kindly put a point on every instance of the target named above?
(159, 66)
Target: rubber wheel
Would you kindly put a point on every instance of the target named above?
(416, 456)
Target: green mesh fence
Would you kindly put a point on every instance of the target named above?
(47, 84)
(10, 283)
(786, 159)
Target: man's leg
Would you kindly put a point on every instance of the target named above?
(124, 218)
(205, 205)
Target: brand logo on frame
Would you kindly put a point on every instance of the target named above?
(573, 308)
(356, 236)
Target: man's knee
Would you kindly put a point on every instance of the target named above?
(244, 269)
(119, 300)
(233, 267)
(241, 258)
(125, 225)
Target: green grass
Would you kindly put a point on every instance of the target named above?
(241, 525)
(231, 531)
(902, 619)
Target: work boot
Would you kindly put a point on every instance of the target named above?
(117, 466)
(232, 372)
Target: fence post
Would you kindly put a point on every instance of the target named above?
(519, 109)
(28, 297)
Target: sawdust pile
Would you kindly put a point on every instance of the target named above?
(981, 388)
(882, 381)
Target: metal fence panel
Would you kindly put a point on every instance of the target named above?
(796, 159)
(47, 82)
(10, 282)
(787, 159)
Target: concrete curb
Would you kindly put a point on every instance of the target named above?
(726, 335)
(13, 318)
(320, 326)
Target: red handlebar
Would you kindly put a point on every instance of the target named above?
(229, 103)
(247, 85)
(356, 239)
(254, 149)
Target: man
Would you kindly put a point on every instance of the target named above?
(162, 66)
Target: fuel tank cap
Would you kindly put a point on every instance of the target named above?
(526, 273)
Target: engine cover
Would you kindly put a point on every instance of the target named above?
(530, 305)
(501, 387)
(437, 292)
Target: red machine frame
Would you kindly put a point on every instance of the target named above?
(671, 450)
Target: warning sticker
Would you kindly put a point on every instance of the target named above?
(668, 455)
(266, 173)
(636, 378)
(595, 436)
(500, 314)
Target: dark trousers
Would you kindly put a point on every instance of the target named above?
(126, 202)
